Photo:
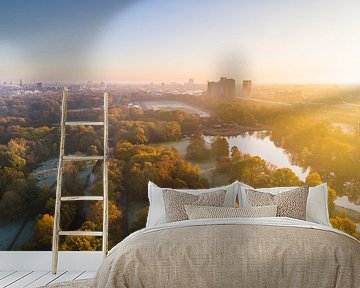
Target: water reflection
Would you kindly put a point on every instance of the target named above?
(344, 202)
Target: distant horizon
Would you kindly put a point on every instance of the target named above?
(167, 82)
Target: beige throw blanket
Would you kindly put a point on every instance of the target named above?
(234, 253)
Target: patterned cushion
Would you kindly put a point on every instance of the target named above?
(290, 203)
(201, 212)
(174, 202)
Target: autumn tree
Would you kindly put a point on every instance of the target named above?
(82, 243)
(43, 232)
(314, 179)
(346, 225)
(253, 171)
(284, 177)
(115, 224)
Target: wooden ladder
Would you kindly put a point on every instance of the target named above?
(105, 158)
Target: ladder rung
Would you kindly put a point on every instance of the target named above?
(85, 109)
(82, 198)
(82, 158)
(81, 233)
(77, 123)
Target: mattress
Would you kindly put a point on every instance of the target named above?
(234, 252)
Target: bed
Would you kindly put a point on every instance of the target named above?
(233, 252)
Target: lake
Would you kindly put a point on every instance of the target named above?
(256, 144)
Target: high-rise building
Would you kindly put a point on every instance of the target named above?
(225, 88)
(191, 81)
(39, 86)
(247, 88)
(21, 83)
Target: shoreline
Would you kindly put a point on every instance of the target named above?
(232, 131)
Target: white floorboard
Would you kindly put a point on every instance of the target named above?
(87, 275)
(12, 278)
(5, 274)
(48, 278)
(35, 279)
(28, 279)
(68, 276)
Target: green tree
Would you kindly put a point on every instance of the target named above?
(7, 176)
(236, 155)
(141, 219)
(92, 150)
(11, 160)
(68, 212)
(197, 150)
(220, 147)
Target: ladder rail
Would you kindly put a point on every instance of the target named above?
(55, 244)
(105, 176)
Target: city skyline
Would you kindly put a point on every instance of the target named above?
(156, 41)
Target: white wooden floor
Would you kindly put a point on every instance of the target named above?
(31, 279)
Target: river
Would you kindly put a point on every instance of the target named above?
(256, 144)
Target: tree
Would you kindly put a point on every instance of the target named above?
(313, 179)
(82, 243)
(19, 146)
(220, 147)
(253, 171)
(223, 164)
(96, 214)
(92, 150)
(11, 160)
(19, 196)
(346, 225)
(11, 205)
(43, 232)
(141, 218)
(7, 176)
(197, 150)
(236, 155)
(116, 232)
(284, 177)
(164, 166)
(68, 212)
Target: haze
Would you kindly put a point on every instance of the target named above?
(150, 41)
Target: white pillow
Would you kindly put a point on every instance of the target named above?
(317, 210)
(156, 213)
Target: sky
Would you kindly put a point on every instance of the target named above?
(273, 41)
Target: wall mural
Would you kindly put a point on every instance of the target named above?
(228, 123)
